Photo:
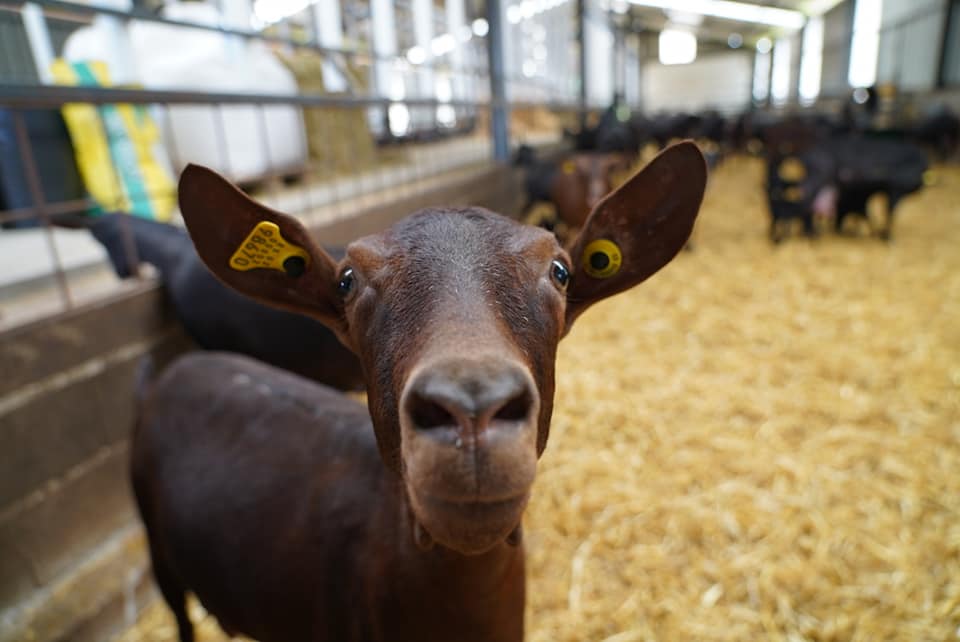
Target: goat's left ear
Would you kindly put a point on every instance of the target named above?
(638, 228)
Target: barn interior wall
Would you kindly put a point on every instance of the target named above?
(910, 37)
(719, 81)
(837, 27)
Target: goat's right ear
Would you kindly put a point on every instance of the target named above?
(261, 253)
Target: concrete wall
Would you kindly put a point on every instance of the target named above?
(910, 38)
(72, 561)
(718, 81)
(952, 48)
(66, 407)
(837, 30)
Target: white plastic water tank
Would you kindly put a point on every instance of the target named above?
(243, 142)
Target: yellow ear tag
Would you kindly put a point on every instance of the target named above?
(265, 248)
(569, 167)
(601, 259)
(793, 194)
(792, 170)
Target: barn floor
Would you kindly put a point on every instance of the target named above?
(759, 443)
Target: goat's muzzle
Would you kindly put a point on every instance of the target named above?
(469, 449)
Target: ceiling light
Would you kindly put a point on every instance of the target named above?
(480, 27)
(416, 55)
(729, 10)
(677, 47)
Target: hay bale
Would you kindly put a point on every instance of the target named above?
(534, 120)
(338, 138)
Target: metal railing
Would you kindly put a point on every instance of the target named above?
(315, 189)
(369, 161)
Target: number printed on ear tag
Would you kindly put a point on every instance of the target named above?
(265, 248)
(601, 259)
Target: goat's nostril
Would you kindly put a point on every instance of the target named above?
(516, 409)
(459, 398)
(427, 414)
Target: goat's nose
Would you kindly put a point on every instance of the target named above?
(458, 399)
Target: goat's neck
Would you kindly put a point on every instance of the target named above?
(480, 593)
(448, 567)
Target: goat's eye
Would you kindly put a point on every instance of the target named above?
(560, 273)
(346, 282)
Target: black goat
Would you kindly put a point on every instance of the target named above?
(218, 318)
(841, 175)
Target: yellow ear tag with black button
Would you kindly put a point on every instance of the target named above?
(266, 248)
(793, 194)
(569, 167)
(601, 259)
(792, 170)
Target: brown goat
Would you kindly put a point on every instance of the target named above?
(295, 514)
(583, 180)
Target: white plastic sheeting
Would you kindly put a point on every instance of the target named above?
(246, 144)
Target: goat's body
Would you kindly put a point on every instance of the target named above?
(265, 495)
(857, 168)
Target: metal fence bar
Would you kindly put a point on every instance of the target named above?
(220, 134)
(171, 142)
(36, 194)
(272, 172)
(581, 10)
(498, 86)
(346, 182)
(139, 14)
(34, 96)
(51, 209)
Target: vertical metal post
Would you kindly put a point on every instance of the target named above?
(498, 84)
(769, 99)
(384, 39)
(582, 62)
(423, 35)
(945, 39)
(632, 71)
(235, 14)
(40, 203)
(328, 28)
(455, 15)
(38, 36)
(122, 62)
(619, 60)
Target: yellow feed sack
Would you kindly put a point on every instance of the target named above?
(117, 149)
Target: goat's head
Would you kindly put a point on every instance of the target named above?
(584, 179)
(456, 315)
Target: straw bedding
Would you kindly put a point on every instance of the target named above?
(759, 443)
